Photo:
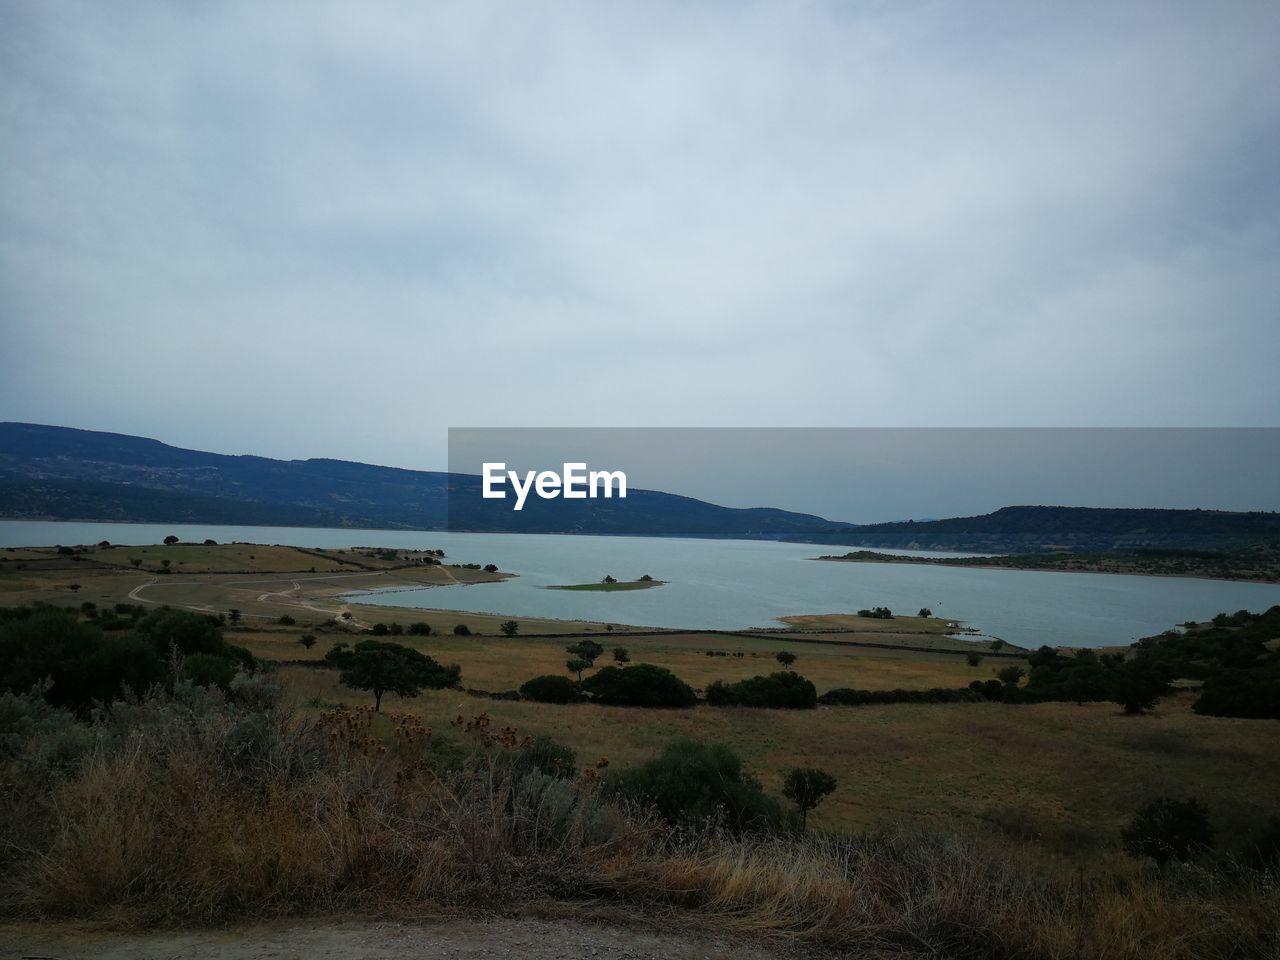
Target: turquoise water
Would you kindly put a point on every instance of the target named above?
(731, 584)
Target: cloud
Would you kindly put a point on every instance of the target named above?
(335, 229)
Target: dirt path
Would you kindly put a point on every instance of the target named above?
(449, 940)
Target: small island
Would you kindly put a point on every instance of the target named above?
(609, 583)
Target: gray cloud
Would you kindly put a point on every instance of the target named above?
(304, 229)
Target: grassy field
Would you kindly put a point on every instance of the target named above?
(1059, 775)
(1062, 776)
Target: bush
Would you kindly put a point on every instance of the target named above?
(778, 690)
(419, 629)
(1250, 693)
(974, 693)
(644, 685)
(545, 755)
(551, 689)
(209, 670)
(694, 782)
(1169, 829)
(462, 630)
(285, 620)
(509, 628)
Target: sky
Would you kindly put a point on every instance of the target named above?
(305, 229)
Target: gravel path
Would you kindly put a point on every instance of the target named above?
(448, 940)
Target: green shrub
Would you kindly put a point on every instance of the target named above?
(1249, 693)
(694, 782)
(1168, 829)
(644, 685)
(778, 690)
(462, 630)
(208, 670)
(545, 755)
(551, 689)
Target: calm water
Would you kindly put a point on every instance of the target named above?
(728, 584)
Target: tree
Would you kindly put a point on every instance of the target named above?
(1167, 829)
(1136, 687)
(806, 788)
(382, 667)
(1011, 676)
(925, 612)
(308, 640)
(233, 615)
(577, 665)
(462, 630)
(645, 578)
(286, 620)
(785, 657)
(997, 645)
(419, 629)
(608, 579)
(170, 540)
(974, 658)
(585, 650)
(490, 568)
(135, 561)
(620, 655)
(166, 563)
(509, 628)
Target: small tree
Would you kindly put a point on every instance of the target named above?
(490, 568)
(170, 540)
(608, 579)
(166, 563)
(997, 645)
(1011, 676)
(1136, 687)
(577, 665)
(381, 667)
(645, 578)
(785, 657)
(135, 561)
(925, 612)
(806, 788)
(462, 630)
(233, 615)
(286, 620)
(346, 614)
(620, 655)
(509, 628)
(585, 650)
(308, 640)
(974, 658)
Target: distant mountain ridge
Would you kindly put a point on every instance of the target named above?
(1037, 529)
(61, 473)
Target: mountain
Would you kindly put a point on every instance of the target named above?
(1079, 529)
(59, 473)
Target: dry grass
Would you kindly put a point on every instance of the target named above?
(1059, 775)
(182, 816)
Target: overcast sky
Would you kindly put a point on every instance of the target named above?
(307, 229)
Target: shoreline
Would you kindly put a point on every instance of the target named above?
(993, 566)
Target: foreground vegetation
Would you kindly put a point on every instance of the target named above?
(194, 807)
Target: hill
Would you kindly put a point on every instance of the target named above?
(59, 473)
(1076, 529)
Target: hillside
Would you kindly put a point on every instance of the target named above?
(1078, 529)
(59, 473)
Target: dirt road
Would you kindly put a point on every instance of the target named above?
(447, 940)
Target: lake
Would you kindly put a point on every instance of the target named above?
(731, 584)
